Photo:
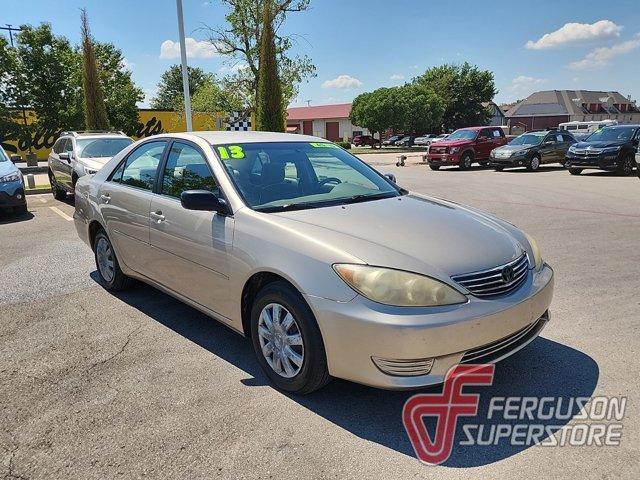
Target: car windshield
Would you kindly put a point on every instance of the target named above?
(101, 147)
(281, 176)
(528, 139)
(462, 135)
(609, 134)
(3, 155)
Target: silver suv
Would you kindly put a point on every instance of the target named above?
(81, 153)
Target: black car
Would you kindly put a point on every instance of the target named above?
(532, 149)
(406, 141)
(609, 148)
(391, 141)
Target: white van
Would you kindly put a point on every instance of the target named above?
(582, 129)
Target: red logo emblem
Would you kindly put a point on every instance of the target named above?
(446, 407)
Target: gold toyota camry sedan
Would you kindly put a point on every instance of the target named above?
(329, 267)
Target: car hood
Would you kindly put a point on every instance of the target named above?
(412, 232)
(600, 144)
(514, 148)
(454, 143)
(6, 168)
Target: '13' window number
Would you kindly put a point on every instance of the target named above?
(232, 151)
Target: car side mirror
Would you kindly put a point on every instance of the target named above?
(391, 176)
(204, 200)
(65, 156)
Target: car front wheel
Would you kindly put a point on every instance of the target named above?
(466, 161)
(575, 171)
(628, 163)
(287, 340)
(434, 167)
(534, 164)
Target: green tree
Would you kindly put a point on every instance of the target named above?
(170, 88)
(462, 88)
(95, 112)
(120, 92)
(212, 98)
(269, 107)
(240, 41)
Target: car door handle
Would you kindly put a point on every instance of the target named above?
(157, 216)
(106, 198)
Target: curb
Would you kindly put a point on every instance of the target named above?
(36, 191)
(34, 170)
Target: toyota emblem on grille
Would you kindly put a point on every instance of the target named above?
(507, 274)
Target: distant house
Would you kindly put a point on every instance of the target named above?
(326, 121)
(546, 109)
(497, 115)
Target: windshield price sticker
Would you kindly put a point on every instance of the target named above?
(323, 145)
(232, 151)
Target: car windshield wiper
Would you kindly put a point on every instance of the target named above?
(366, 197)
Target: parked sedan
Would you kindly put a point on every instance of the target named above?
(391, 141)
(424, 140)
(406, 141)
(330, 268)
(11, 186)
(361, 140)
(532, 149)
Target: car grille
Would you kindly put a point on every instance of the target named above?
(496, 281)
(494, 351)
(436, 149)
(404, 368)
(586, 152)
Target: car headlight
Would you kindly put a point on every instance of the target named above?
(89, 171)
(537, 255)
(611, 150)
(572, 149)
(12, 177)
(519, 153)
(397, 287)
(454, 149)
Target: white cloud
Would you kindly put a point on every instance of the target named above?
(342, 81)
(235, 68)
(602, 57)
(195, 49)
(397, 77)
(524, 85)
(573, 33)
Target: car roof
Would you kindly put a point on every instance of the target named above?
(223, 137)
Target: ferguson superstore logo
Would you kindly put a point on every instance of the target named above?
(518, 421)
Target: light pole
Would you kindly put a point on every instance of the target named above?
(185, 72)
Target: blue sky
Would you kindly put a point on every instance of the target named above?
(358, 46)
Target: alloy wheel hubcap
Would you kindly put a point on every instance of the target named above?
(535, 163)
(106, 264)
(280, 340)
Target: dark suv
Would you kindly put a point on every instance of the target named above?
(361, 140)
(391, 141)
(532, 149)
(609, 148)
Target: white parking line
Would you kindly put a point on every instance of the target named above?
(43, 200)
(62, 214)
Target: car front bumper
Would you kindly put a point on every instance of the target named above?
(360, 330)
(519, 161)
(443, 158)
(599, 162)
(12, 194)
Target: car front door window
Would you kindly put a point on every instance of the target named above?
(186, 169)
(142, 164)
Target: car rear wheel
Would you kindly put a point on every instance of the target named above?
(534, 164)
(575, 171)
(107, 263)
(628, 163)
(58, 193)
(434, 167)
(466, 161)
(498, 168)
(287, 340)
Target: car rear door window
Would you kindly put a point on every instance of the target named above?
(141, 165)
(186, 169)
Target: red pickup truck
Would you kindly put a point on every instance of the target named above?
(466, 146)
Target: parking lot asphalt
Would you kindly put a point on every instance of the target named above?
(133, 385)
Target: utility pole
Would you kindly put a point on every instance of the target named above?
(185, 71)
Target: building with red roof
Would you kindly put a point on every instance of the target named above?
(326, 121)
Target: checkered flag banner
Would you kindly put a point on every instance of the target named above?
(239, 122)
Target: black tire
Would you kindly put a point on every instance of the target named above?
(119, 281)
(575, 171)
(21, 210)
(498, 168)
(58, 193)
(434, 167)
(313, 373)
(465, 161)
(533, 164)
(627, 166)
